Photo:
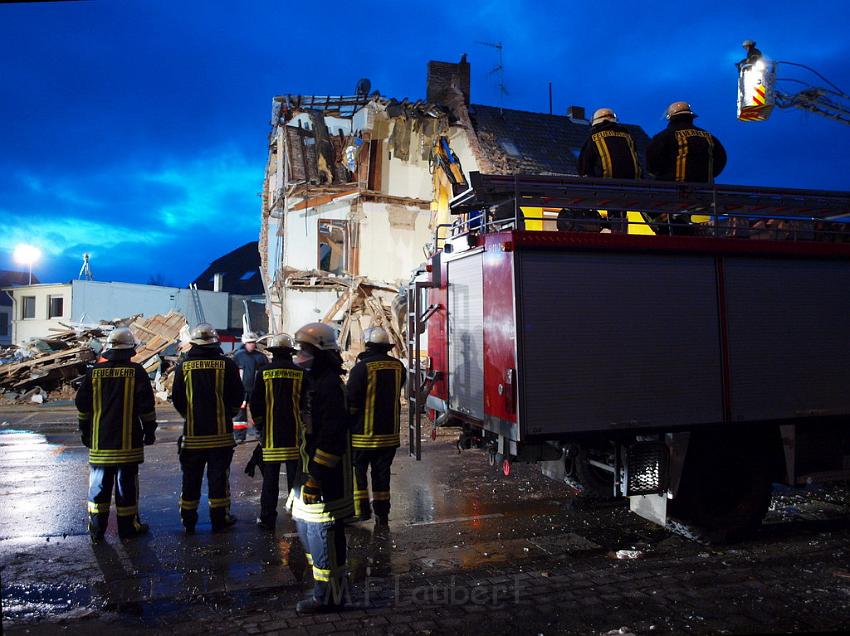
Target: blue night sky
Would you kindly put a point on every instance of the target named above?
(136, 129)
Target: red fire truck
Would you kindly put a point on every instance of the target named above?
(688, 363)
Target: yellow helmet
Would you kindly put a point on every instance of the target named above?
(603, 114)
(203, 334)
(679, 108)
(319, 335)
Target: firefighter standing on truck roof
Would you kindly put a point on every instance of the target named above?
(609, 153)
(249, 360)
(207, 392)
(276, 403)
(684, 152)
(116, 417)
(374, 388)
(321, 500)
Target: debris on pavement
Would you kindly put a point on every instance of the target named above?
(629, 554)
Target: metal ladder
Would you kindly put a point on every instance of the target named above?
(418, 383)
(196, 302)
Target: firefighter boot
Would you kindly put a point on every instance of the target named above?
(220, 525)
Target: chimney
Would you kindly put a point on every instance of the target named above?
(577, 114)
(444, 75)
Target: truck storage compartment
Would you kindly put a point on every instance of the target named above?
(611, 341)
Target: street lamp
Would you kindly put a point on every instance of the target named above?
(27, 255)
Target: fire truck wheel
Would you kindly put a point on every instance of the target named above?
(726, 488)
(597, 482)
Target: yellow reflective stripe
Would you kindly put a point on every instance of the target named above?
(127, 416)
(630, 140)
(97, 508)
(208, 441)
(96, 398)
(190, 411)
(222, 502)
(375, 441)
(188, 504)
(296, 407)
(83, 416)
(309, 558)
(361, 494)
(126, 511)
(136, 455)
(280, 454)
(219, 401)
(369, 406)
(397, 409)
(321, 575)
(269, 433)
(681, 155)
(326, 459)
(604, 155)
(381, 495)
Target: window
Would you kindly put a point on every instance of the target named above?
(248, 275)
(332, 246)
(28, 307)
(55, 306)
(4, 323)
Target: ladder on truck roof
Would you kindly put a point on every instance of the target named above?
(648, 196)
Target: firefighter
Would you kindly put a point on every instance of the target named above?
(249, 360)
(207, 392)
(609, 153)
(753, 54)
(374, 388)
(321, 500)
(276, 405)
(684, 152)
(116, 417)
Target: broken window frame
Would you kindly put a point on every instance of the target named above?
(50, 308)
(27, 302)
(341, 227)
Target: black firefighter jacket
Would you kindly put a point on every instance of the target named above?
(684, 152)
(326, 450)
(115, 407)
(207, 392)
(276, 403)
(609, 152)
(374, 387)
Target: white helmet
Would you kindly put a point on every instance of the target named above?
(203, 334)
(603, 114)
(280, 341)
(376, 335)
(249, 336)
(319, 335)
(121, 338)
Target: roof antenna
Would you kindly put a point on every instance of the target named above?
(85, 270)
(500, 69)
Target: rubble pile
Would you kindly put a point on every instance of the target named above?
(53, 366)
(365, 304)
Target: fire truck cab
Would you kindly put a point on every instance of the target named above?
(687, 368)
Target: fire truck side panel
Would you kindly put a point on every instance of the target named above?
(789, 335)
(466, 335)
(499, 342)
(612, 340)
(437, 326)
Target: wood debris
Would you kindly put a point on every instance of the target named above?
(52, 367)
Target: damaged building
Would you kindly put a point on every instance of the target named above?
(357, 186)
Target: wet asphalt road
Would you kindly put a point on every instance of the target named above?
(454, 519)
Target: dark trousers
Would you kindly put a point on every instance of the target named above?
(380, 459)
(125, 478)
(271, 487)
(324, 544)
(217, 463)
